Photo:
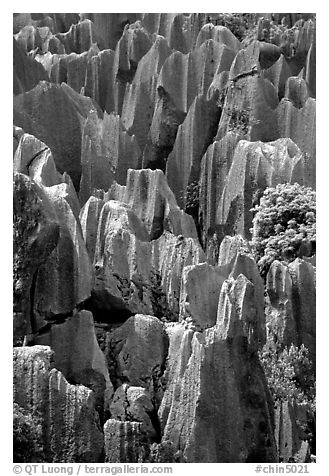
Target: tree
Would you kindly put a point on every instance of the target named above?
(290, 378)
(289, 374)
(284, 225)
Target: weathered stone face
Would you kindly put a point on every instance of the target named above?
(255, 166)
(134, 404)
(209, 382)
(142, 144)
(61, 130)
(136, 353)
(123, 441)
(107, 153)
(78, 356)
(65, 280)
(201, 286)
(292, 441)
(291, 309)
(63, 409)
(36, 234)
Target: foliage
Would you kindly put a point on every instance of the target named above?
(192, 197)
(281, 35)
(160, 305)
(284, 225)
(238, 23)
(27, 437)
(162, 452)
(239, 121)
(289, 374)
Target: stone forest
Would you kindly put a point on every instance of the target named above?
(164, 237)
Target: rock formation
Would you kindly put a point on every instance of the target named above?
(141, 144)
(207, 381)
(63, 409)
(291, 310)
(255, 166)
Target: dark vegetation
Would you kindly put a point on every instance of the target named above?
(284, 225)
(289, 373)
(27, 437)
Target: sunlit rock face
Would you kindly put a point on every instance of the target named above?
(142, 143)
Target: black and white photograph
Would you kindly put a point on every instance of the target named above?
(164, 241)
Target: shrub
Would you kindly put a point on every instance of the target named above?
(285, 37)
(192, 198)
(289, 374)
(162, 453)
(27, 437)
(239, 121)
(284, 225)
(238, 23)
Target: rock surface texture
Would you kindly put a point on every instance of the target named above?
(142, 143)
